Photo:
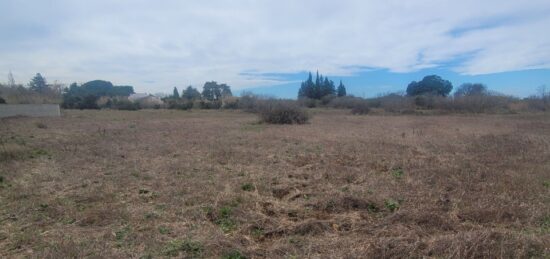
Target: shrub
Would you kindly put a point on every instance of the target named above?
(361, 108)
(479, 104)
(540, 102)
(424, 101)
(248, 187)
(282, 112)
(77, 102)
(191, 248)
(230, 103)
(345, 102)
(248, 102)
(204, 104)
(325, 100)
(234, 255)
(2, 100)
(179, 104)
(307, 102)
(41, 125)
(395, 103)
(391, 205)
(125, 105)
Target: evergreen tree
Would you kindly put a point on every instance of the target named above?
(317, 87)
(341, 90)
(176, 94)
(307, 88)
(322, 86)
(38, 83)
(302, 91)
(191, 93)
(327, 88)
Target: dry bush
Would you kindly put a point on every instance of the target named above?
(205, 104)
(230, 102)
(248, 102)
(308, 102)
(360, 108)
(281, 112)
(478, 104)
(346, 102)
(394, 103)
(538, 103)
(22, 95)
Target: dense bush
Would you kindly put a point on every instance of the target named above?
(78, 102)
(325, 100)
(308, 102)
(178, 104)
(281, 112)
(205, 104)
(2, 100)
(537, 104)
(125, 105)
(394, 103)
(230, 103)
(361, 108)
(248, 102)
(346, 102)
(540, 102)
(478, 103)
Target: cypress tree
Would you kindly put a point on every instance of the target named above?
(341, 89)
(176, 94)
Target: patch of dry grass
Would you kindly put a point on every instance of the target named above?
(158, 183)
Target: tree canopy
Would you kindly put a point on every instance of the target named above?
(191, 93)
(430, 85)
(469, 89)
(213, 91)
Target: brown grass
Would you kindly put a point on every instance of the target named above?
(157, 183)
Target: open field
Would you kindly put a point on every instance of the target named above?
(157, 183)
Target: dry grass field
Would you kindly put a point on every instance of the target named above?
(216, 184)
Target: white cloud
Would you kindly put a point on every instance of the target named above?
(155, 46)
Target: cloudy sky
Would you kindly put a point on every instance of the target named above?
(374, 46)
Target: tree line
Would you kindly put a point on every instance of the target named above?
(211, 91)
(321, 87)
(431, 92)
(37, 90)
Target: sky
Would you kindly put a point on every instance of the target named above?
(268, 47)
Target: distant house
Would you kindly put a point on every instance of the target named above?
(145, 100)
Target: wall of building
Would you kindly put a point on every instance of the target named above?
(31, 110)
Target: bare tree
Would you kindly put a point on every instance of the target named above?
(11, 81)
